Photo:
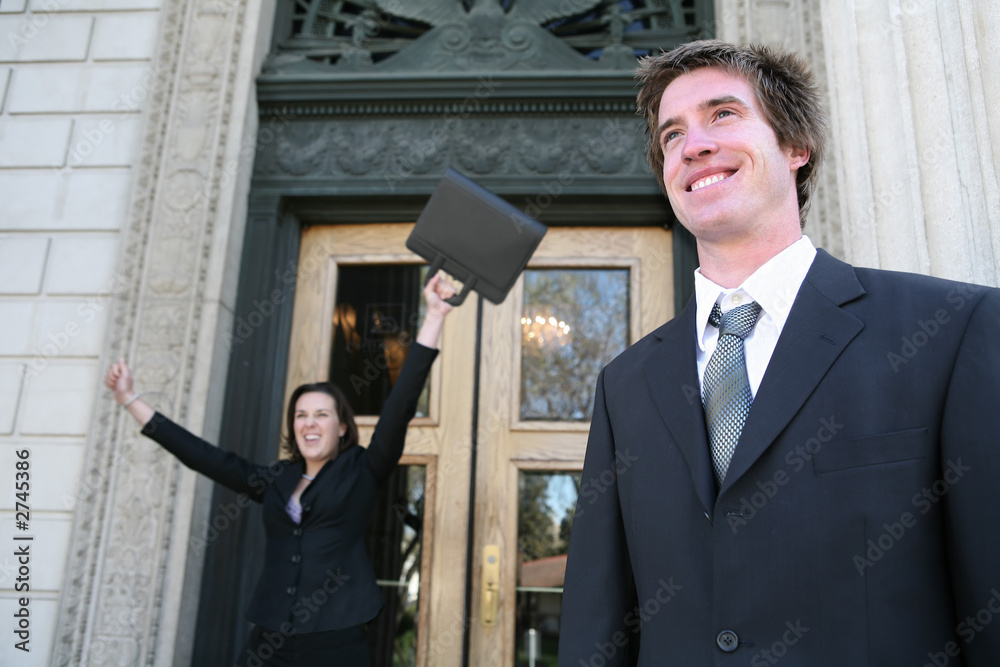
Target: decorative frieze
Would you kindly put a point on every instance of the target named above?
(475, 105)
(357, 150)
(120, 554)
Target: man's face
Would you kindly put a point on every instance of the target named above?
(726, 177)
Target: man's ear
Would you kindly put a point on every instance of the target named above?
(798, 157)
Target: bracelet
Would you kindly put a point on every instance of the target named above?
(131, 400)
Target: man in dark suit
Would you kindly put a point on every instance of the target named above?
(816, 461)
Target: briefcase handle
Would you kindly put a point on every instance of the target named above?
(467, 283)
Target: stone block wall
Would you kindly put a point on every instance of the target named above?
(73, 82)
(85, 183)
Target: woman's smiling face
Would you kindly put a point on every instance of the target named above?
(317, 428)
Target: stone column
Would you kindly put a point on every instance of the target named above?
(795, 25)
(130, 596)
(915, 133)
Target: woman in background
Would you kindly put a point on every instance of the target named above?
(317, 589)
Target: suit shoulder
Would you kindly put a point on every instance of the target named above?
(637, 352)
(901, 279)
(903, 288)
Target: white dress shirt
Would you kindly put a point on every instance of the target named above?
(774, 286)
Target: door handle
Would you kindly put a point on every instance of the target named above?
(490, 602)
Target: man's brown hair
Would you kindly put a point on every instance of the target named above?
(782, 81)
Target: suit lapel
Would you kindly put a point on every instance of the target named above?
(816, 333)
(288, 479)
(672, 376)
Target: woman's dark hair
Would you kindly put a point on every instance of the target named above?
(344, 413)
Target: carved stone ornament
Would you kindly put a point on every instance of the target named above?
(110, 612)
(589, 147)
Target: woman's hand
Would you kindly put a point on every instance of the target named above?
(435, 292)
(119, 380)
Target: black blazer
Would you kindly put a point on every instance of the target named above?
(855, 525)
(317, 575)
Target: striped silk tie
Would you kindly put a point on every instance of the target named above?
(727, 389)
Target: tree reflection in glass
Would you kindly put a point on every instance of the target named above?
(546, 504)
(574, 322)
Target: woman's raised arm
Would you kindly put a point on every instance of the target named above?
(435, 292)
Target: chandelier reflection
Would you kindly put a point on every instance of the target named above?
(544, 331)
(345, 318)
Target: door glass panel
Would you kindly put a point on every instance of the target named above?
(378, 311)
(574, 321)
(546, 502)
(395, 541)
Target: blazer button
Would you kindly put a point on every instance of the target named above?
(296, 558)
(727, 641)
(307, 509)
(290, 590)
(297, 532)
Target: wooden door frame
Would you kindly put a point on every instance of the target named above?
(512, 445)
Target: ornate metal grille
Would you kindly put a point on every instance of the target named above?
(360, 34)
(643, 26)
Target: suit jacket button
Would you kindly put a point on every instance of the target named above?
(727, 641)
(307, 509)
(297, 532)
(290, 590)
(296, 558)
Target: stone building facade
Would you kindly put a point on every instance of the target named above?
(129, 131)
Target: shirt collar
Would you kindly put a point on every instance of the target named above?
(774, 286)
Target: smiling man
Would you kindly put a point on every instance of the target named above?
(816, 444)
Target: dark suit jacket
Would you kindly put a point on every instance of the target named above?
(317, 575)
(853, 527)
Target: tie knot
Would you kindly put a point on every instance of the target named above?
(737, 322)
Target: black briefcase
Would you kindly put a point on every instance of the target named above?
(474, 236)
